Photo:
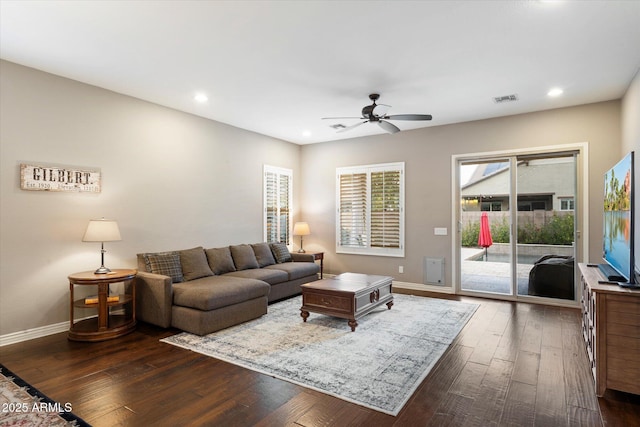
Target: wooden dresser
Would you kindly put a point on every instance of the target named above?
(611, 330)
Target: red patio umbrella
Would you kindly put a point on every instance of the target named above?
(484, 238)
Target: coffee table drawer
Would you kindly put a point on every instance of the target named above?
(333, 303)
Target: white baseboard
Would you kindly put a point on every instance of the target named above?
(30, 334)
(43, 331)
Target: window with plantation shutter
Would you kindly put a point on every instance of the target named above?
(278, 192)
(370, 209)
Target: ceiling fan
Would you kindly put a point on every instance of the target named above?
(377, 113)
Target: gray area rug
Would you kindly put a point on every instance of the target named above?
(378, 366)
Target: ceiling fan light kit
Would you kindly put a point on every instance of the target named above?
(377, 113)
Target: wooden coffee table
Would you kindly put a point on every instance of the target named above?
(348, 296)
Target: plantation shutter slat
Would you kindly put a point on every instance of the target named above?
(385, 209)
(285, 219)
(353, 210)
(277, 201)
(271, 206)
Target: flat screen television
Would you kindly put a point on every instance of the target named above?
(618, 219)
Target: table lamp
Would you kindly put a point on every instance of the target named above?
(102, 230)
(301, 229)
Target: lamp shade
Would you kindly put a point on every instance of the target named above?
(301, 229)
(102, 230)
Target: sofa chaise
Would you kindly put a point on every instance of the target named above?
(204, 290)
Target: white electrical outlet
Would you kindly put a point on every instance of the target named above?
(440, 231)
(400, 269)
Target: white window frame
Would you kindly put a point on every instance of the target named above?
(570, 201)
(368, 249)
(279, 172)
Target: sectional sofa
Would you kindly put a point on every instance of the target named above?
(204, 290)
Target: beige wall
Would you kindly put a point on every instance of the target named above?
(631, 142)
(171, 180)
(427, 153)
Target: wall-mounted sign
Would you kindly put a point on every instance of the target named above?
(56, 178)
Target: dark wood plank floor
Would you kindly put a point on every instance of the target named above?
(514, 364)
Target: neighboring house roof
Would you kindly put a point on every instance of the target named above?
(541, 176)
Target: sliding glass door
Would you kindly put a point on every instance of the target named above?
(546, 194)
(485, 237)
(516, 225)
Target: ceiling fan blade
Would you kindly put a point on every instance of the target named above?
(408, 117)
(352, 126)
(341, 118)
(380, 110)
(391, 128)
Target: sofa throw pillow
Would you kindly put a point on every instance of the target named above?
(243, 257)
(263, 254)
(166, 263)
(194, 264)
(220, 260)
(281, 253)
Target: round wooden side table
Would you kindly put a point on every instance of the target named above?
(116, 316)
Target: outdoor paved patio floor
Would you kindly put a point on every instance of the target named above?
(487, 276)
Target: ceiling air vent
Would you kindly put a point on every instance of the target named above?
(338, 126)
(506, 98)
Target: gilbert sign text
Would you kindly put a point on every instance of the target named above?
(52, 178)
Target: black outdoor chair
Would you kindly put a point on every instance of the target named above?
(552, 276)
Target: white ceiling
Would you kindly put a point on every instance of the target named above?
(277, 67)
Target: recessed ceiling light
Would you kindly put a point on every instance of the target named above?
(556, 91)
(306, 133)
(201, 98)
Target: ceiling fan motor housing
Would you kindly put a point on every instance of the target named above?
(368, 110)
